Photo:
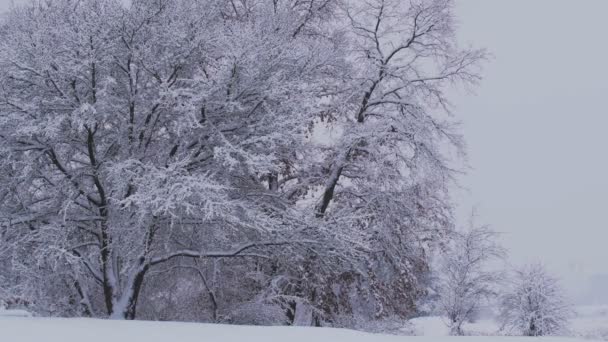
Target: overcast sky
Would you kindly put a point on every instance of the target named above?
(536, 130)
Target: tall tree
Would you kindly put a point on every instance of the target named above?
(130, 138)
(383, 179)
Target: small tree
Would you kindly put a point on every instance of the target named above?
(466, 280)
(536, 304)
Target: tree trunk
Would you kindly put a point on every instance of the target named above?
(303, 315)
(125, 307)
(330, 185)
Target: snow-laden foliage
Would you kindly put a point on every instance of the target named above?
(535, 304)
(467, 277)
(166, 150)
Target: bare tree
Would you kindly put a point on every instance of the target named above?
(535, 303)
(467, 276)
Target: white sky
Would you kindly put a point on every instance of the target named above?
(536, 130)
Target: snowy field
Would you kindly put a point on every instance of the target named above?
(25, 329)
(91, 330)
(591, 322)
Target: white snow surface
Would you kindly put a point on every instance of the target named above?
(590, 322)
(17, 329)
(435, 326)
(14, 313)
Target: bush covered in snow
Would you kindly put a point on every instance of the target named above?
(535, 303)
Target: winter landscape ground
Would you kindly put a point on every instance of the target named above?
(590, 324)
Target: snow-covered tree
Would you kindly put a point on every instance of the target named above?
(535, 304)
(134, 136)
(384, 177)
(468, 275)
(173, 142)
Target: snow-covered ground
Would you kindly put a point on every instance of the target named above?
(590, 322)
(15, 326)
(435, 326)
(91, 330)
